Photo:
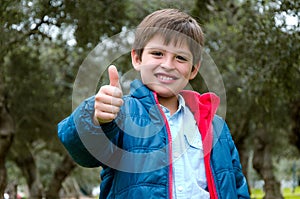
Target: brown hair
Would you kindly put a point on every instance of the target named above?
(173, 25)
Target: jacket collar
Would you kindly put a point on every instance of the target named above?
(141, 92)
(138, 89)
(202, 106)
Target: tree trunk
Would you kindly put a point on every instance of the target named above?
(27, 165)
(7, 131)
(262, 163)
(3, 178)
(295, 115)
(61, 172)
(244, 158)
(240, 136)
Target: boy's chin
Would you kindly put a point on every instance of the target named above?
(162, 91)
(166, 94)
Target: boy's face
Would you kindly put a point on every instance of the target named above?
(165, 69)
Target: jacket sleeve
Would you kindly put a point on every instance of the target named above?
(86, 142)
(240, 180)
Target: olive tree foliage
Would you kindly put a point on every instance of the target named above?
(38, 64)
(42, 45)
(32, 79)
(256, 51)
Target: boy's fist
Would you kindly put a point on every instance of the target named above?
(108, 100)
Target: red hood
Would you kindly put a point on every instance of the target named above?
(203, 107)
(206, 103)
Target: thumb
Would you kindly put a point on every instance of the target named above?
(113, 76)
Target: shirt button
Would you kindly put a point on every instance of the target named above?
(180, 188)
(199, 144)
(176, 154)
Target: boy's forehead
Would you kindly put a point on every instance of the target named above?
(178, 45)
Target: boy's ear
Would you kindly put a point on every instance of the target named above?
(136, 62)
(195, 70)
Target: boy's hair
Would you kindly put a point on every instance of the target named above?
(173, 25)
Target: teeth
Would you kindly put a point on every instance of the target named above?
(164, 77)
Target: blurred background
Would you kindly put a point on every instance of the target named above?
(255, 45)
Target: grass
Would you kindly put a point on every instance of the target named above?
(287, 193)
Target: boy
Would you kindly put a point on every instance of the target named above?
(159, 141)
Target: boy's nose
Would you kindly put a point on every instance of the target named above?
(167, 63)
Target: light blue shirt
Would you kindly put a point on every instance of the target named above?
(189, 180)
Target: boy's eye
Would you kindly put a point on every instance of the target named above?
(156, 53)
(181, 58)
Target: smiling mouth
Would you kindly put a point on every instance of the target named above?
(163, 77)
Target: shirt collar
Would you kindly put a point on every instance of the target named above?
(181, 106)
(181, 102)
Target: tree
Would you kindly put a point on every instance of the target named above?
(7, 131)
(39, 69)
(245, 40)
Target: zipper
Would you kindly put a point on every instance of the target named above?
(170, 179)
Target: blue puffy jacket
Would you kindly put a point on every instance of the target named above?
(135, 149)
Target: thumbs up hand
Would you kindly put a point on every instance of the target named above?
(108, 100)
